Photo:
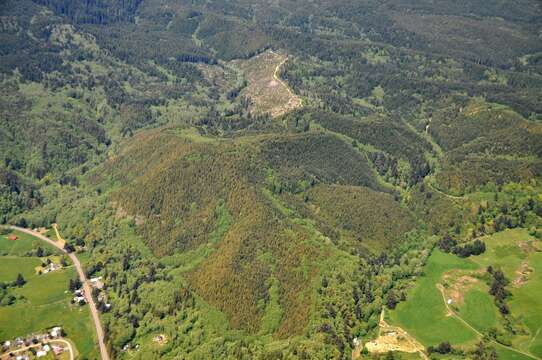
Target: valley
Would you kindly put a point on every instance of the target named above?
(272, 180)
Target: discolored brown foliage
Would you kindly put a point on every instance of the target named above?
(175, 190)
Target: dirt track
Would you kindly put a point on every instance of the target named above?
(86, 287)
(454, 314)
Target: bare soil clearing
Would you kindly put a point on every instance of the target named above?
(523, 273)
(392, 338)
(268, 93)
(454, 286)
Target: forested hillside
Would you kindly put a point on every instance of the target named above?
(143, 129)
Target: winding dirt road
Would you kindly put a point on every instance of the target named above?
(86, 287)
(277, 77)
(456, 315)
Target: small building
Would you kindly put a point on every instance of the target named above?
(56, 332)
(47, 348)
(12, 237)
(41, 353)
(97, 282)
(51, 267)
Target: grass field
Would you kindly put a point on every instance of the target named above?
(45, 300)
(424, 314)
(12, 265)
(503, 251)
(479, 309)
(22, 245)
(527, 304)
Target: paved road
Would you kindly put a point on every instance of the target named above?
(86, 287)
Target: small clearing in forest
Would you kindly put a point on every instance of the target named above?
(268, 93)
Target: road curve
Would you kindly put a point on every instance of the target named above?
(72, 357)
(86, 287)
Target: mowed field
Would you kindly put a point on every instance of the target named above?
(46, 301)
(267, 92)
(425, 315)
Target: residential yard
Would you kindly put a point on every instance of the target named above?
(43, 301)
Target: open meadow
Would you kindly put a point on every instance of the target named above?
(451, 301)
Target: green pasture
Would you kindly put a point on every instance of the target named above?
(11, 266)
(22, 245)
(479, 310)
(526, 303)
(20, 320)
(502, 251)
(423, 315)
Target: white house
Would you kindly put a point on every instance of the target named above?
(41, 353)
(56, 332)
(51, 267)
